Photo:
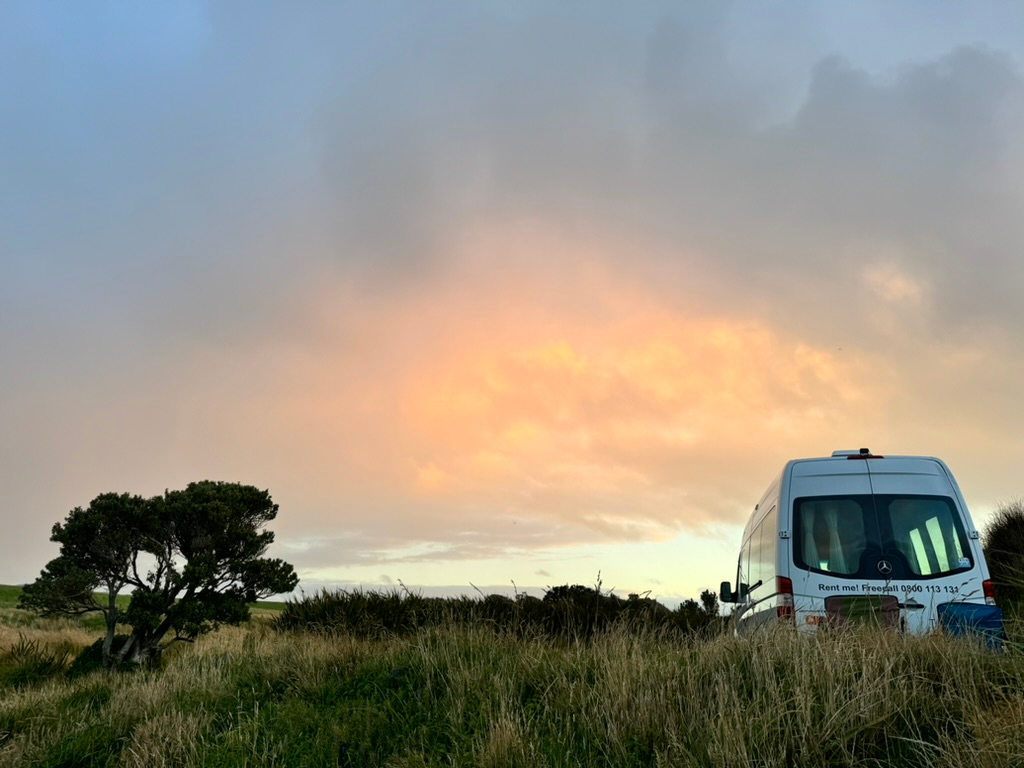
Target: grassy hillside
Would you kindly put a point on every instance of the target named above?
(464, 696)
(9, 596)
(60, 636)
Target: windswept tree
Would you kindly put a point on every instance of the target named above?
(193, 560)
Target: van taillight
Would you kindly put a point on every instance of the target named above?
(990, 591)
(784, 598)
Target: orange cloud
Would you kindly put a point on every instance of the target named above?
(618, 408)
(486, 397)
(592, 412)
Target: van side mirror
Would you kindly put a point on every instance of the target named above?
(725, 592)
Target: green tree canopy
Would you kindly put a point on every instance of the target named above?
(193, 559)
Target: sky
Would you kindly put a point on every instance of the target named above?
(497, 296)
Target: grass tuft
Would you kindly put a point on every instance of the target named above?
(29, 661)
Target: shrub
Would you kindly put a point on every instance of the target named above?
(91, 659)
(29, 661)
(1004, 551)
(566, 612)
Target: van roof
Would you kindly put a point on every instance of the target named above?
(860, 453)
(839, 465)
(888, 465)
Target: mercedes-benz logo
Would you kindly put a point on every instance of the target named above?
(884, 567)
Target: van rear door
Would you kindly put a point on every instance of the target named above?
(890, 532)
(927, 528)
(815, 578)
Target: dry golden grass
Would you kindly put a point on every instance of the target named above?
(49, 631)
(252, 696)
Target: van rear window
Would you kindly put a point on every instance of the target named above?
(879, 536)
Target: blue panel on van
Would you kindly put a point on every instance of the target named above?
(973, 619)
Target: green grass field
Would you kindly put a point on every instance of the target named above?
(458, 696)
(9, 596)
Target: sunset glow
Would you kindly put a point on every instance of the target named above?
(487, 295)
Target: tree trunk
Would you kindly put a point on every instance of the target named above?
(128, 652)
(110, 614)
(145, 647)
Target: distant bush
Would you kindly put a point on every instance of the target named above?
(565, 612)
(1004, 551)
(367, 614)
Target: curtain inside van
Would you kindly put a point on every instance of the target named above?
(920, 535)
(832, 534)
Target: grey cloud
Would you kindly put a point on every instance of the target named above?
(440, 538)
(663, 143)
(185, 218)
(153, 177)
(460, 123)
(920, 163)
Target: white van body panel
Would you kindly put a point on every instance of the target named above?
(901, 513)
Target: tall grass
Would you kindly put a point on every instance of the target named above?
(467, 696)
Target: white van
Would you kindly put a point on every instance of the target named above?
(855, 537)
